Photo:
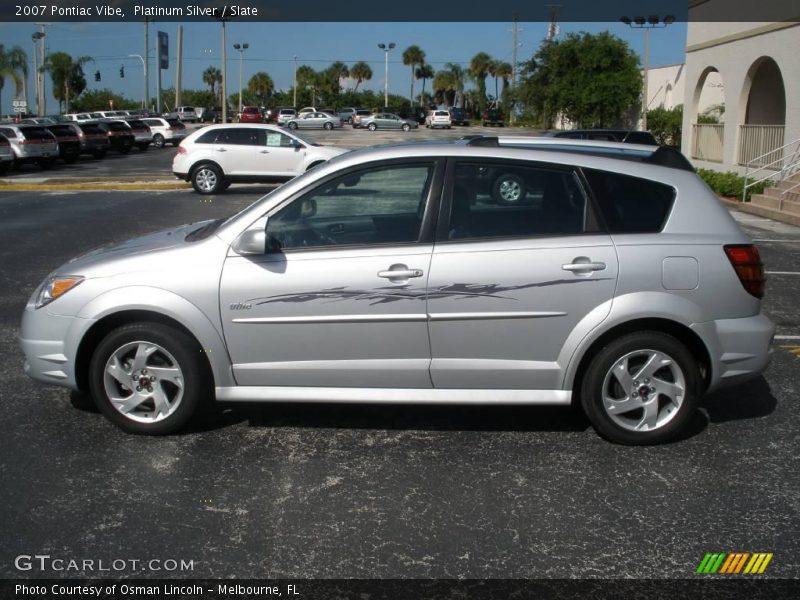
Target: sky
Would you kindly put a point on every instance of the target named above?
(272, 46)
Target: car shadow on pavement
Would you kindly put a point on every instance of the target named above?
(750, 400)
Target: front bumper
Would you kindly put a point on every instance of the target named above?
(739, 348)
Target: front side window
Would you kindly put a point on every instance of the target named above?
(383, 205)
(276, 139)
(497, 200)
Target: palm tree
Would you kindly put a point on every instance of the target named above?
(7, 70)
(67, 76)
(413, 56)
(360, 71)
(211, 77)
(444, 87)
(18, 60)
(478, 69)
(261, 86)
(504, 71)
(423, 72)
(459, 77)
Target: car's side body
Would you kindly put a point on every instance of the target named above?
(31, 143)
(387, 121)
(314, 120)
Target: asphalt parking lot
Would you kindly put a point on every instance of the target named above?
(377, 492)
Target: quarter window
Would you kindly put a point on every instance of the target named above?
(494, 200)
(630, 204)
(379, 206)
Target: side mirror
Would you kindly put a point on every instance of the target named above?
(296, 144)
(251, 242)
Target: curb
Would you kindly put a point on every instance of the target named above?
(115, 186)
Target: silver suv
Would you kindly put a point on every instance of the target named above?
(398, 274)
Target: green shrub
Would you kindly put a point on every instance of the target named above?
(730, 184)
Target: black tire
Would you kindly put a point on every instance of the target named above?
(372, 127)
(125, 149)
(207, 179)
(158, 141)
(143, 147)
(16, 165)
(70, 158)
(676, 419)
(328, 125)
(99, 154)
(406, 127)
(180, 348)
(5, 166)
(292, 125)
(508, 189)
(46, 163)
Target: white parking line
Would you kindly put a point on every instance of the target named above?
(782, 272)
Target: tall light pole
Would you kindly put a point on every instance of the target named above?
(294, 86)
(41, 98)
(144, 70)
(651, 22)
(240, 48)
(386, 48)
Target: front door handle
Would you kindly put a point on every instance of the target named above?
(400, 272)
(264, 152)
(583, 265)
(221, 150)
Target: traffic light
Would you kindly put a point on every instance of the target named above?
(122, 71)
(97, 75)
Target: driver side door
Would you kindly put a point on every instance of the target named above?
(340, 299)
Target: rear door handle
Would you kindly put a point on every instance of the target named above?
(264, 152)
(221, 150)
(584, 267)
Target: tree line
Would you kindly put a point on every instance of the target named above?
(590, 80)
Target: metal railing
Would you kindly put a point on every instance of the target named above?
(760, 143)
(708, 141)
(777, 170)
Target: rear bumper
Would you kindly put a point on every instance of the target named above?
(739, 348)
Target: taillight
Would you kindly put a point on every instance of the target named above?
(181, 149)
(747, 263)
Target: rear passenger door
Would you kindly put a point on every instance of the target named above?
(235, 150)
(510, 280)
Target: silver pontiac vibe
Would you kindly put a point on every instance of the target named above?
(485, 271)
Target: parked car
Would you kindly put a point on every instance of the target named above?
(284, 115)
(93, 138)
(438, 118)
(38, 121)
(306, 110)
(82, 117)
(346, 114)
(630, 136)
(251, 114)
(388, 121)
(69, 144)
(166, 131)
(214, 157)
(359, 117)
(411, 113)
(142, 135)
(31, 144)
(314, 120)
(494, 117)
(110, 114)
(6, 155)
(120, 135)
(187, 113)
(441, 295)
(458, 116)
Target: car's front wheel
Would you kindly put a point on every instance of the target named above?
(328, 125)
(406, 127)
(292, 125)
(207, 179)
(641, 388)
(372, 127)
(158, 141)
(148, 378)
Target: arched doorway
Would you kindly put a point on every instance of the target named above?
(763, 105)
(708, 108)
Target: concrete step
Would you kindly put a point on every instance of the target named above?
(774, 203)
(761, 211)
(780, 191)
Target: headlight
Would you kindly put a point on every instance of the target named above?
(54, 287)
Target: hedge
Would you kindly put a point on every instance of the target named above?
(730, 184)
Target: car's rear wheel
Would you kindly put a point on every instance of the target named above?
(207, 179)
(508, 189)
(372, 127)
(641, 388)
(148, 378)
(292, 125)
(328, 126)
(143, 147)
(406, 127)
(46, 163)
(99, 153)
(4, 167)
(158, 141)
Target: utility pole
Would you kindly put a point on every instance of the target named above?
(224, 84)
(294, 86)
(144, 93)
(41, 98)
(514, 32)
(240, 48)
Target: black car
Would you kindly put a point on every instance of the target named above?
(629, 136)
(413, 113)
(459, 116)
(69, 144)
(94, 139)
(120, 136)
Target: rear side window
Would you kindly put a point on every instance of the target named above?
(630, 204)
(91, 129)
(498, 200)
(62, 130)
(238, 137)
(36, 133)
(117, 126)
(175, 124)
(9, 133)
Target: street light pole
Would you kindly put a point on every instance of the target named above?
(240, 48)
(386, 48)
(144, 70)
(651, 22)
(294, 85)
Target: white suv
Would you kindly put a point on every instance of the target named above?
(214, 157)
(438, 118)
(166, 131)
